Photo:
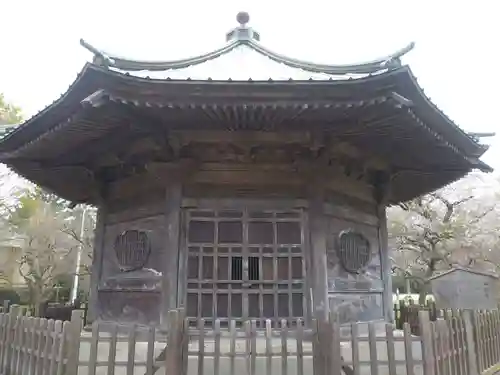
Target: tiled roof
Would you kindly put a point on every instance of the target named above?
(243, 58)
(6, 129)
(240, 64)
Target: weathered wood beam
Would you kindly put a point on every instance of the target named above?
(247, 137)
(275, 174)
(80, 184)
(135, 127)
(157, 175)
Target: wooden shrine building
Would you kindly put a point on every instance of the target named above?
(241, 183)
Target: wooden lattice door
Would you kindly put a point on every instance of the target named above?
(245, 265)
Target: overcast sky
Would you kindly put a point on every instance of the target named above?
(455, 59)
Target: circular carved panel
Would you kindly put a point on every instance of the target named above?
(132, 248)
(353, 251)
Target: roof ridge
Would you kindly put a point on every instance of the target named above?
(244, 35)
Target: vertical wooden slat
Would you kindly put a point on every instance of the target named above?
(9, 322)
(483, 342)
(174, 271)
(232, 345)
(74, 342)
(284, 347)
(391, 349)
(27, 346)
(436, 347)
(372, 337)
(486, 339)
(443, 332)
(5, 307)
(477, 336)
(150, 352)
(94, 344)
(493, 337)
(47, 350)
(336, 361)
(217, 353)
(253, 347)
(9, 330)
(496, 329)
(463, 345)
(491, 334)
(173, 351)
(40, 341)
(319, 350)
(33, 345)
(355, 348)
(3, 341)
(66, 331)
(15, 338)
(471, 349)
(112, 349)
(269, 349)
(410, 369)
(21, 350)
(247, 329)
(300, 347)
(201, 346)
(497, 333)
(16, 311)
(452, 329)
(56, 341)
(185, 344)
(131, 349)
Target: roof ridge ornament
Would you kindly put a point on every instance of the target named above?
(242, 33)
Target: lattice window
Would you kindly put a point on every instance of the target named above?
(354, 251)
(245, 265)
(132, 248)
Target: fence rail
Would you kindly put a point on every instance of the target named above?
(460, 343)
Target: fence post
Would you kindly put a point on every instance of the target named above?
(323, 348)
(6, 304)
(472, 355)
(73, 342)
(173, 354)
(14, 314)
(428, 355)
(183, 342)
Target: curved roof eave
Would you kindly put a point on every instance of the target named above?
(374, 66)
(72, 98)
(465, 141)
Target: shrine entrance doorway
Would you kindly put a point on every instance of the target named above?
(244, 264)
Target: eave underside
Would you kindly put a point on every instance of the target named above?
(109, 127)
(112, 131)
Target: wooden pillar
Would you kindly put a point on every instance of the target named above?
(318, 231)
(96, 268)
(386, 263)
(171, 275)
(382, 186)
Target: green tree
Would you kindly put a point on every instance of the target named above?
(9, 113)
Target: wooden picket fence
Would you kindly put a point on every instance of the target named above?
(407, 311)
(463, 343)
